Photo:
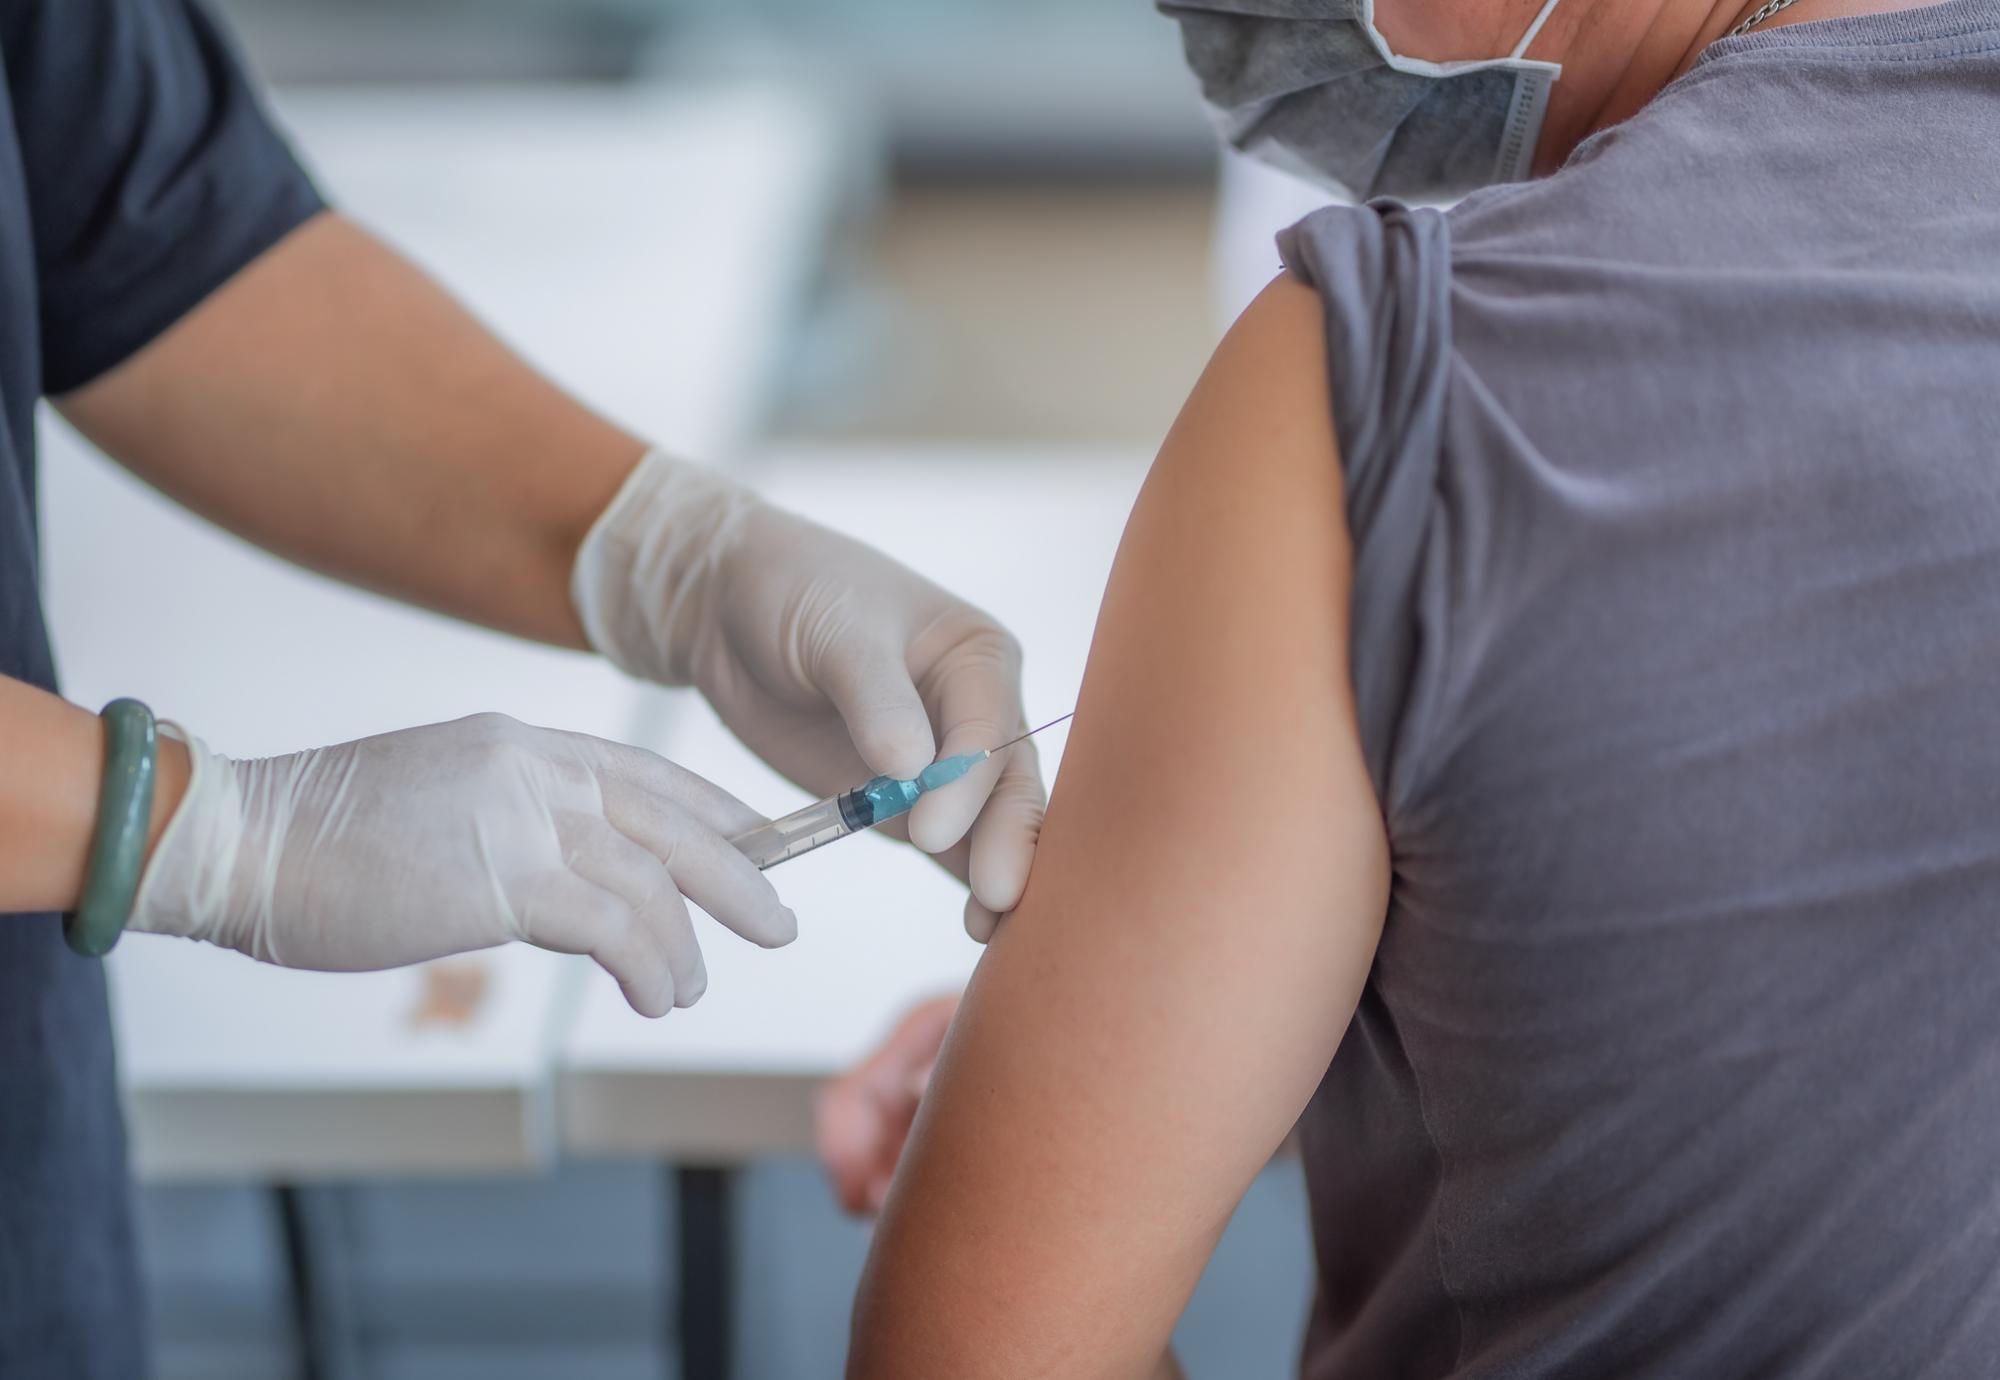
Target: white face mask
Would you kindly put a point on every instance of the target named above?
(1312, 87)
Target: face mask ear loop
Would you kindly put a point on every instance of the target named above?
(1535, 30)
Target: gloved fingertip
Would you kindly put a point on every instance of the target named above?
(650, 1002)
(688, 993)
(780, 929)
(980, 923)
(999, 876)
(999, 890)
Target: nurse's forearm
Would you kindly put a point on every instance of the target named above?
(333, 404)
(53, 756)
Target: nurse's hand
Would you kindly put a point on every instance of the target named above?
(831, 661)
(865, 1114)
(460, 836)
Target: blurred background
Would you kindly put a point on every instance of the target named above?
(877, 256)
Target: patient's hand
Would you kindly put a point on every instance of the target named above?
(865, 1114)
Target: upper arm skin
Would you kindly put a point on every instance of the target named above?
(1203, 911)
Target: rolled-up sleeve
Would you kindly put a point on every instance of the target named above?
(153, 172)
(1383, 273)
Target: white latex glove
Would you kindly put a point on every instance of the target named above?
(459, 836)
(830, 660)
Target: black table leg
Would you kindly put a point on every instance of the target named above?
(705, 1253)
(295, 1239)
(316, 1277)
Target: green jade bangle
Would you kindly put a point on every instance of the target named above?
(118, 846)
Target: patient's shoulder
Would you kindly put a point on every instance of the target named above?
(1272, 360)
(1258, 422)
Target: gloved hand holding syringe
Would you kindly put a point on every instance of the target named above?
(862, 808)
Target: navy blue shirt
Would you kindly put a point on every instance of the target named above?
(137, 173)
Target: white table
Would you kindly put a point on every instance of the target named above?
(646, 249)
(1030, 537)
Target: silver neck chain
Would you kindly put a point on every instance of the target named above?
(1775, 7)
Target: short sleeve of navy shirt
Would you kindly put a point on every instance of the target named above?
(137, 174)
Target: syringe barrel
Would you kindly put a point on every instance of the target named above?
(800, 832)
(829, 820)
(864, 807)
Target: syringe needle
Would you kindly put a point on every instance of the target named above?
(1031, 733)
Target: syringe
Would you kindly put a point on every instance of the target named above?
(864, 807)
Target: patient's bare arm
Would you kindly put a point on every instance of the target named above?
(1204, 907)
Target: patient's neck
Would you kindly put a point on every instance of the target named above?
(1617, 55)
(1807, 10)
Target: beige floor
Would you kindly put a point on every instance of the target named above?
(1040, 315)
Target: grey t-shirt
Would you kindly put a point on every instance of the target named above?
(1675, 487)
